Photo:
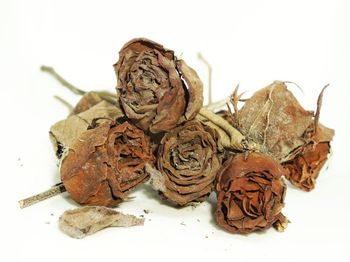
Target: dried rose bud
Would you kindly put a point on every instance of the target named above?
(305, 167)
(105, 163)
(250, 193)
(188, 160)
(152, 86)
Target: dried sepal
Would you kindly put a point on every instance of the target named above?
(250, 193)
(188, 159)
(152, 86)
(274, 119)
(105, 163)
(84, 221)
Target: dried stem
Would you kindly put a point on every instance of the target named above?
(53, 191)
(65, 103)
(60, 79)
(237, 140)
(318, 111)
(210, 70)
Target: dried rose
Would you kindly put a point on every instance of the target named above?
(152, 86)
(307, 161)
(250, 193)
(105, 163)
(188, 159)
(305, 167)
(274, 119)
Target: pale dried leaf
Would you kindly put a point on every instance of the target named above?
(65, 132)
(274, 119)
(84, 221)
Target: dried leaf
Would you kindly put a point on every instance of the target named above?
(105, 163)
(152, 86)
(250, 193)
(65, 132)
(273, 118)
(84, 221)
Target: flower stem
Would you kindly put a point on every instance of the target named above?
(51, 71)
(53, 191)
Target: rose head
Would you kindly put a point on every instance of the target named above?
(105, 163)
(304, 169)
(152, 86)
(250, 193)
(188, 159)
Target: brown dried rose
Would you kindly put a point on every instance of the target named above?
(105, 163)
(305, 167)
(188, 159)
(152, 86)
(250, 194)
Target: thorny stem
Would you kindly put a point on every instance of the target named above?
(60, 79)
(53, 191)
(318, 111)
(210, 70)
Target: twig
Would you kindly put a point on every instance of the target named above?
(210, 98)
(53, 191)
(318, 111)
(64, 102)
(60, 79)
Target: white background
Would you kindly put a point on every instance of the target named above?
(247, 42)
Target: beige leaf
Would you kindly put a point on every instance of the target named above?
(84, 221)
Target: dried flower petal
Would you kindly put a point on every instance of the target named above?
(250, 193)
(105, 163)
(83, 221)
(152, 86)
(188, 158)
(273, 118)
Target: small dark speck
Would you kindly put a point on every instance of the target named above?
(142, 216)
(146, 211)
(206, 236)
(19, 159)
(21, 164)
(182, 223)
(198, 220)
(149, 219)
(52, 214)
(47, 223)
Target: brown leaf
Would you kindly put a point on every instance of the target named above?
(250, 193)
(84, 221)
(105, 163)
(273, 118)
(151, 89)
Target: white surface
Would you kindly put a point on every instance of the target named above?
(251, 42)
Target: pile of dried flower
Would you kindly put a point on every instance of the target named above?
(156, 129)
